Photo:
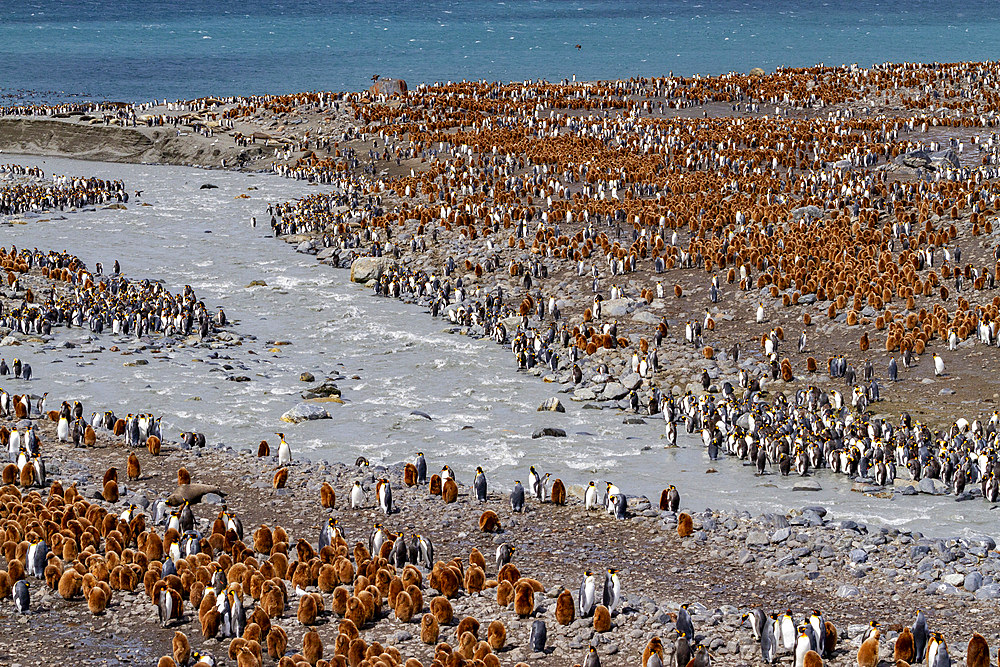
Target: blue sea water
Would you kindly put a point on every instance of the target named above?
(136, 50)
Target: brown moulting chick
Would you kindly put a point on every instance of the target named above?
(489, 522)
(403, 608)
(429, 629)
(868, 653)
(110, 493)
(449, 491)
(685, 525)
(978, 652)
(524, 600)
(183, 477)
(903, 649)
(132, 468)
(280, 478)
(442, 610)
(308, 610)
(410, 475)
(97, 601)
(181, 648)
(812, 659)
(476, 558)
(558, 493)
(312, 647)
(505, 593)
(602, 619)
(475, 580)
(327, 496)
(152, 445)
(263, 449)
(565, 609)
(277, 642)
(435, 485)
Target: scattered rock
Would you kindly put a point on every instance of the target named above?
(305, 412)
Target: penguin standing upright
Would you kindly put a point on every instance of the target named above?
(802, 646)
(426, 550)
(594, 660)
(620, 506)
(479, 484)
(612, 590)
(328, 533)
(284, 451)
(505, 553)
(517, 497)
(941, 657)
(357, 495)
(384, 494)
(920, 635)
(587, 599)
(757, 618)
(818, 624)
(590, 497)
(535, 483)
(22, 599)
(768, 641)
(682, 650)
(684, 624)
(787, 627)
(421, 465)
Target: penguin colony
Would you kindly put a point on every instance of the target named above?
(757, 216)
(79, 297)
(32, 193)
(228, 584)
(534, 186)
(233, 582)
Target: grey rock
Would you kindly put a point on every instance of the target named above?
(780, 535)
(551, 405)
(848, 591)
(305, 412)
(364, 269)
(548, 431)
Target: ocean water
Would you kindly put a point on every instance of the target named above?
(393, 359)
(134, 50)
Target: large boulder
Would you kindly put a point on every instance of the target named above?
(364, 269)
(305, 412)
(945, 159)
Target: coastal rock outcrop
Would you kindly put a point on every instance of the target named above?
(364, 269)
